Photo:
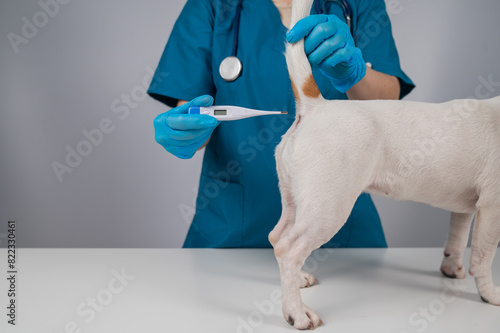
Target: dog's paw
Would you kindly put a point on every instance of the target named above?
(491, 296)
(303, 319)
(307, 279)
(452, 268)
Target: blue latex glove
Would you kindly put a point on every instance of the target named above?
(329, 45)
(183, 134)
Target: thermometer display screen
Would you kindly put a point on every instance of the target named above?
(220, 112)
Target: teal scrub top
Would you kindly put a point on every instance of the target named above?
(238, 201)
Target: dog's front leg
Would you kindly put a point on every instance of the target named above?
(289, 208)
(452, 265)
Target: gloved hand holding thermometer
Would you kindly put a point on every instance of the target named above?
(329, 45)
(182, 134)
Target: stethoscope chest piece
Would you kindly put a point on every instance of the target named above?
(230, 68)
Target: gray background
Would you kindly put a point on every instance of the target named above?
(128, 192)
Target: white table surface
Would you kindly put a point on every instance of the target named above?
(180, 290)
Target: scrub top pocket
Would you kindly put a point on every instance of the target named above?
(217, 222)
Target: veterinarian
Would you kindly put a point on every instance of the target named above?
(238, 200)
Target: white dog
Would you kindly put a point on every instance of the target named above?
(446, 155)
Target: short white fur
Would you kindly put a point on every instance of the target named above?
(446, 155)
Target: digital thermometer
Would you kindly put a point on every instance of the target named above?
(223, 113)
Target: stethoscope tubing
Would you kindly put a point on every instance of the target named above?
(236, 27)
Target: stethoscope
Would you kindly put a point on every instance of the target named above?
(231, 67)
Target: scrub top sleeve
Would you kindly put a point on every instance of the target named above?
(374, 37)
(185, 68)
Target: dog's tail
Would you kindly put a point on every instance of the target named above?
(304, 87)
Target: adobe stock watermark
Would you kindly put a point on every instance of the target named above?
(88, 310)
(212, 189)
(120, 108)
(395, 7)
(30, 28)
(378, 21)
(426, 315)
(249, 149)
(272, 305)
(456, 115)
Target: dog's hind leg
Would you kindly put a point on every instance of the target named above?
(308, 233)
(287, 201)
(485, 239)
(452, 265)
(287, 218)
(280, 231)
